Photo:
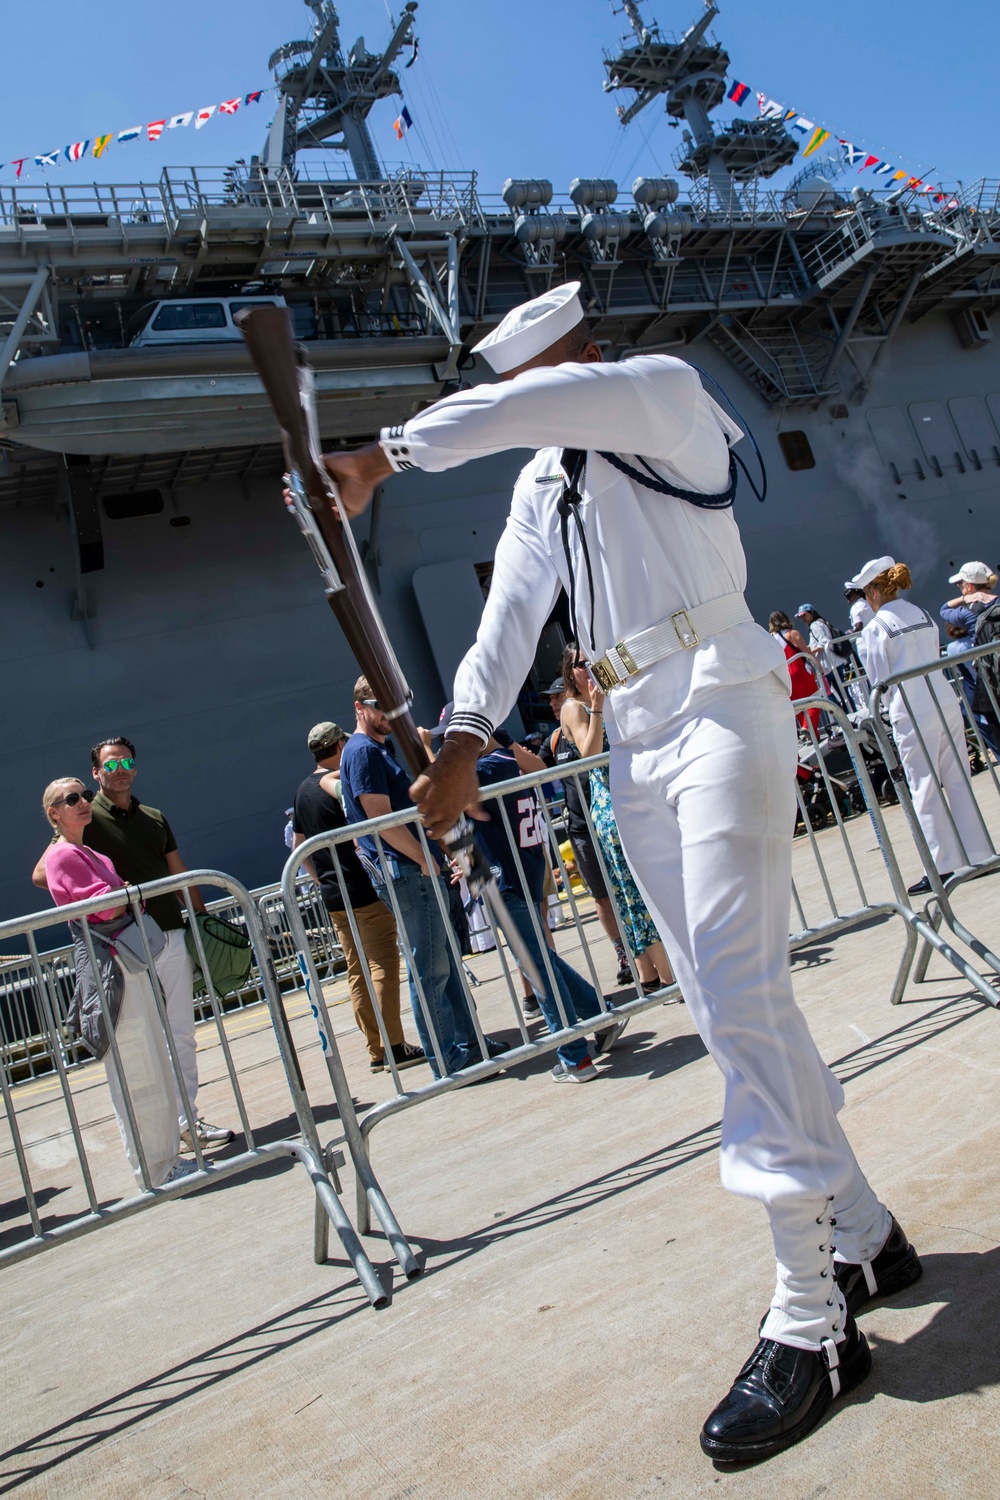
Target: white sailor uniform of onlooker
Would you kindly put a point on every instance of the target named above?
(899, 637)
(703, 748)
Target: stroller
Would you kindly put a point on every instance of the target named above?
(836, 779)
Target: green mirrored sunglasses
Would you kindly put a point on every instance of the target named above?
(127, 763)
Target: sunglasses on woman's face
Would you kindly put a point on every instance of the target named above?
(73, 798)
(126, 763)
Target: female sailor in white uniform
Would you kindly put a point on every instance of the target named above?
(627, 506)
(927, 722)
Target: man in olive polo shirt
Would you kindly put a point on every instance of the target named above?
(140, 844)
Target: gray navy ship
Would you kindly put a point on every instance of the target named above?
(153, 584)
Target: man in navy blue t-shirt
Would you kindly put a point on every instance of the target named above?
(520, 877)
(373, 784)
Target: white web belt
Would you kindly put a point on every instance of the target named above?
(682, 631)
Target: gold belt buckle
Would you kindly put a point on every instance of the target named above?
(606, 680)
(686, 633)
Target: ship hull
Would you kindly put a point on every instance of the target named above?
(210, 644)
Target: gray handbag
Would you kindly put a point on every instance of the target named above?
(129, 943)
(128, 940)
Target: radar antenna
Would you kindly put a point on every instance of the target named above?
(324, 96)
(690, 74)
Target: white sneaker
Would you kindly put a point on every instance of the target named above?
(582, 1073)
(208, 1135)
(180, 1168)
(605, 1040)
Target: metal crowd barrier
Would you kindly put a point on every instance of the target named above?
(25, 1045)
(850, 686)
(922, 692)
(828, 901)
(88, 1205)
(323, 942)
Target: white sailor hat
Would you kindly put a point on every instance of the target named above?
(532, 328)
(870, 572)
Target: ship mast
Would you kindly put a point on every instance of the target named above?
(325, 94)
(690, 74)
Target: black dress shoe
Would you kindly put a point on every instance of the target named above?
(780, 1395)
(923, 887)
(895, 1266)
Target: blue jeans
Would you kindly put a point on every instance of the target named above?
(578, 997)
(428, 953)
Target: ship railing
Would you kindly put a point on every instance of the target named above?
(705, 206)
(34, 208)
(860, 226)
(837, 889)
(412, 200)
(57, 1134)
(981, 198)
(26, 1044)
(938, 730)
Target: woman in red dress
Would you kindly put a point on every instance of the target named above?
(802, 669)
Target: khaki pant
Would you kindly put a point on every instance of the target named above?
(377, 929)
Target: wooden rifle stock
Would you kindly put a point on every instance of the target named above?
(287, 379)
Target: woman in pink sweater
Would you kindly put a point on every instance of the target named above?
(76, 873)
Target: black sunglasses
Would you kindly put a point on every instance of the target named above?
(73, 798)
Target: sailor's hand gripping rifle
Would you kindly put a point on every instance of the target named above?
(315, 504)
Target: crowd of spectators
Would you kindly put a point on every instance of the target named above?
(394, 900)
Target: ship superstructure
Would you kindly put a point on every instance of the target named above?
(853, 329)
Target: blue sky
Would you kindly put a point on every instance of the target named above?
(505, 87)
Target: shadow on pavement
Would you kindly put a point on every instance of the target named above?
(170, 1388)
(957, 1352)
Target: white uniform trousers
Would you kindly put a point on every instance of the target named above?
(946, 771)
(706, 811)
(145, 1061)
(176, 975)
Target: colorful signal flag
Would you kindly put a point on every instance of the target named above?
(738, 92)
(818, 138)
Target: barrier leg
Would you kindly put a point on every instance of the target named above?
(325, 1195)
(920, 969)
(905, 965)
(368, 1190)
(321, 1234)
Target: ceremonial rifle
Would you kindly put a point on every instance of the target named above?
(315, 504)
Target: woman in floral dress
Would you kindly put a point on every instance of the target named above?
(582, 721)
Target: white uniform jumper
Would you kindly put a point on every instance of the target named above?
(899, 637)
(703, 756)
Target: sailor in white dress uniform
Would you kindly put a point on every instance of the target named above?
(703, 755)
(899, 637)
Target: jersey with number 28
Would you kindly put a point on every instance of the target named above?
(526, 825)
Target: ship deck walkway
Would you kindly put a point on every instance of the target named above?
(589, 1292)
